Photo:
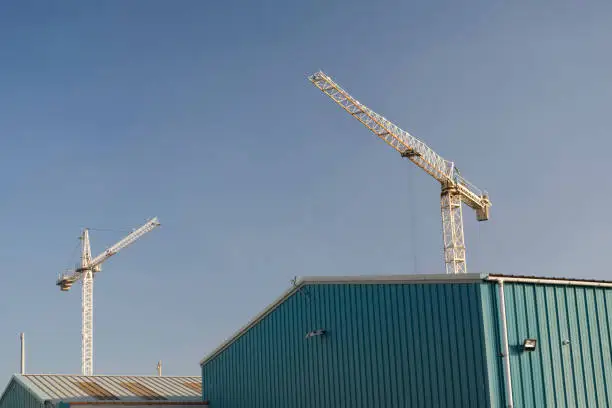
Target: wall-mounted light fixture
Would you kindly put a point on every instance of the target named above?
(529, 344)
(313, 333)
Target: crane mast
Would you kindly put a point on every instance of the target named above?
(85, 272)
(86, 307)
(455, 188)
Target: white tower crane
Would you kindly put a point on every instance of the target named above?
(86, 272)
(455, 189)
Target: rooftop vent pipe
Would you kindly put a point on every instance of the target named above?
(22, 338)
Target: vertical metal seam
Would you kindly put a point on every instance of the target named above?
(525, 365)
(594, 363)
(430, 333)
(552, 357)
(474, 321)
(392, 341)
(530, 332)
(570, 335)
(353, 362)
(519, 367)
(609, 340)
(465, 327)
(403, 347)
(562, 354)
(455, 345)
(581, 351)
(461, 363)
(502, 301)
(478, 346)
(440, 347)
(409, 313)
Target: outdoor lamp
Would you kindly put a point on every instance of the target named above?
(529, 344)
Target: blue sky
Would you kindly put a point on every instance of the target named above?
(200, 113)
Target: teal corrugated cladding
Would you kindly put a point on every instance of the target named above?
(493, 345)
(388, 345)
(17, 396)
(558, 373)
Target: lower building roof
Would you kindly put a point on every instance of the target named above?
(399, 279)
(116, 389)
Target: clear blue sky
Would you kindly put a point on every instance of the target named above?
(200, 113)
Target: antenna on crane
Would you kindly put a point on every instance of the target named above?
(86, 272)
(455, 189)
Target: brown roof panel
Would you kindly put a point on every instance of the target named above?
(143, 391)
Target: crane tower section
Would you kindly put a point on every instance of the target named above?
(455, 188)
(85, 272)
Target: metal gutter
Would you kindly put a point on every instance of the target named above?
(506, 352)
(549, 281)
(378, 279)
(331, 280)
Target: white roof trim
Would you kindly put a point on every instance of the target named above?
(330, 280)
(548, 281)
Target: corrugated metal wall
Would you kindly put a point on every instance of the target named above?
(493, 345)
(16, 396)
(388, 345)
(557, 374)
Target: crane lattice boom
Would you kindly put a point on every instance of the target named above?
(94, 264)
(455, 189)
(86, 272)
(128, 240)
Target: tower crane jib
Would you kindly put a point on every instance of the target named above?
(455, 188)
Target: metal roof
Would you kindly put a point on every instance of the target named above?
(112, 388)
(398, 279)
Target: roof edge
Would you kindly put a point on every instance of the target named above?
(139, 404)
(330, 280)
(548, 280)
(28, 385)
(107, 375)
(259, 317)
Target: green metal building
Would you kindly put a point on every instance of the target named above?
(421, 341)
